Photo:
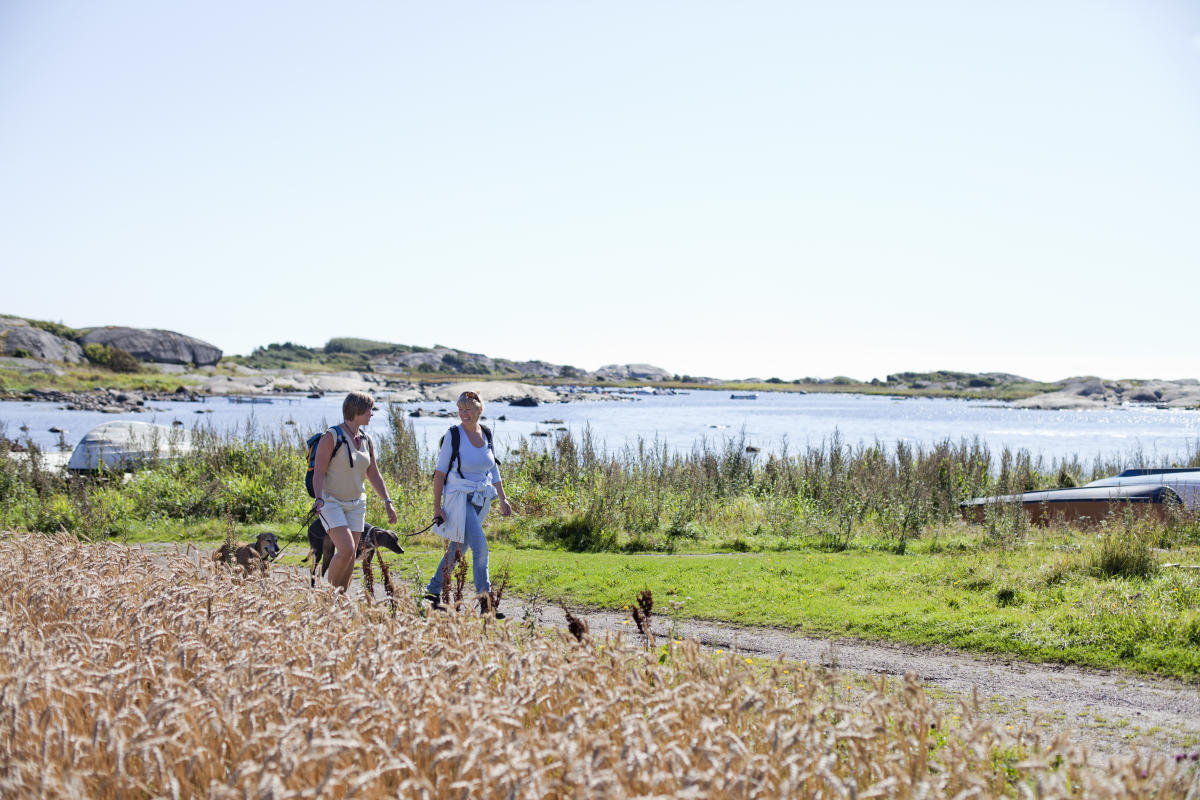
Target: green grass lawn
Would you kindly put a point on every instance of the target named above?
(1037, 604)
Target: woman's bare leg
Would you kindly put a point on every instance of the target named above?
(341, 567)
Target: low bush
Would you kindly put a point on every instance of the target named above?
(1120, 555)
(111, 357)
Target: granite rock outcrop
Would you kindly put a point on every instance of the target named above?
(20, 339)
(154, 345)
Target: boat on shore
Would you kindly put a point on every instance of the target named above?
(1144, 491)
(125, 445)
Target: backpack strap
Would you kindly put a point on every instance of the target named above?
(341, 440)
(454, 442)
(487, 434)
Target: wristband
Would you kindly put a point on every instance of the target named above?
(388, 502)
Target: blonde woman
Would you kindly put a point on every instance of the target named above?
(463, 493)
(344, 462)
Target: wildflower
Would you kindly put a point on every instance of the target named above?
(749, 660)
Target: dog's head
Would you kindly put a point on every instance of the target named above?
(268, 545)
(381, 537)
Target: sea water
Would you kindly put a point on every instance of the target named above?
(770, 422)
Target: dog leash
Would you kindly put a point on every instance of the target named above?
(418, 533)
(308, 520)
(311, 516)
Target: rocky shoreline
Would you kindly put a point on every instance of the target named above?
(108, 401)
(1078, 393)
(113, 401)
(1090, 392)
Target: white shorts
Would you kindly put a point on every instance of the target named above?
(344, 514)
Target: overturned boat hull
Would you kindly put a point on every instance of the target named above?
(123, 445)
(1145, 492)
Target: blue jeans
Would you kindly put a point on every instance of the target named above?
(479, 557)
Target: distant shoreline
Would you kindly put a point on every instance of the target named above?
(129, 392)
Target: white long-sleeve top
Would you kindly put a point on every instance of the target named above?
(459, 498)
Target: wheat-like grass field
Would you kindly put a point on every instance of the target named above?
(127, 674)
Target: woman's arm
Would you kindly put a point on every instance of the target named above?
(505, 508)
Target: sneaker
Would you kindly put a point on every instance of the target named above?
(434, 599)
(485, 607)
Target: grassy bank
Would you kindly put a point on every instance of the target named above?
(836, 539)
(15, 382)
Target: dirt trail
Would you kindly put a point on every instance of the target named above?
(1112, 712)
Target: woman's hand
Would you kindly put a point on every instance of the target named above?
(505, 509)
(317, 505)
(439, 517)
(391, 512)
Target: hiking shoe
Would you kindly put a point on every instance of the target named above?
(434, 599)
(485, 607)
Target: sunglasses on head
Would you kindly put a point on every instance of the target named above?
(469, 396)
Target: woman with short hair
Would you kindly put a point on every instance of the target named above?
(342, 465)
(463, 493)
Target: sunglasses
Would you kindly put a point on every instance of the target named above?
(469, 396)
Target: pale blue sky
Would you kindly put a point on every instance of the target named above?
(729, 189)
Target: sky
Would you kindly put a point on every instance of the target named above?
(752, 189)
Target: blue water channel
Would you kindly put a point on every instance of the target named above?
(683, 422)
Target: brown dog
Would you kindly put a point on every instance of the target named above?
(320, 546)
(250, 556)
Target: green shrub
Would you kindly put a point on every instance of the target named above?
(111, 357)
(1123, 555)
(578, 533)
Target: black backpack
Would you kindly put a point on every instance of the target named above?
(454, 440)
(312, 442)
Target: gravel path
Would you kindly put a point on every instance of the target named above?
(1110, 711)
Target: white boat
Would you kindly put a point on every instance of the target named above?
(125, 444)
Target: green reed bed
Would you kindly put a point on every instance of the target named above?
(573, 493)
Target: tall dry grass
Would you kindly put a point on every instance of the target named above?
(126, 674)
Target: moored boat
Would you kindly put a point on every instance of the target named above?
(743, 396)
(1145, 491)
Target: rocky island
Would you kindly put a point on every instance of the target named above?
(115, 368)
